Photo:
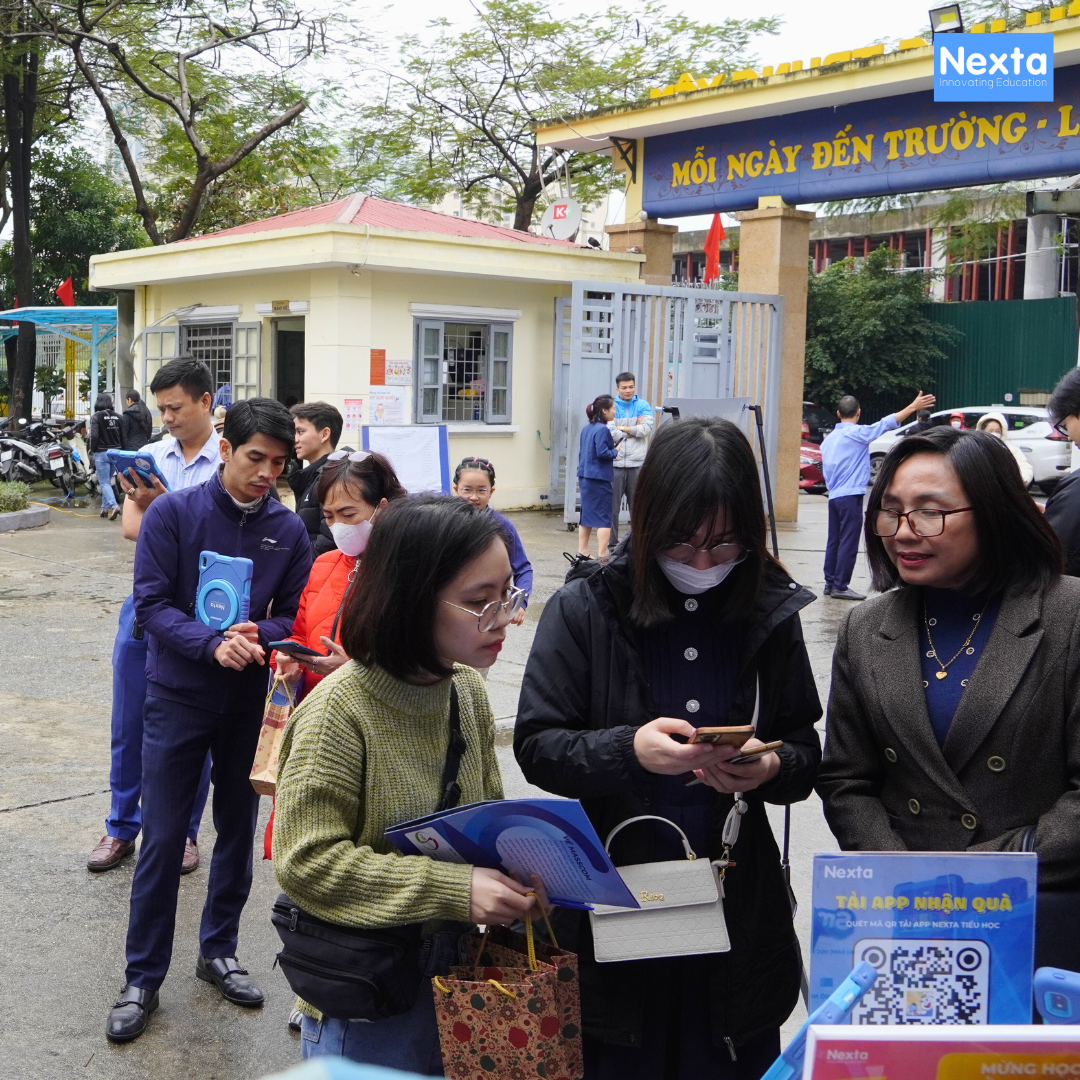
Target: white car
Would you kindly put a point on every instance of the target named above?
(1048, 451)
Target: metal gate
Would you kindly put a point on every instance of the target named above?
(678, 342)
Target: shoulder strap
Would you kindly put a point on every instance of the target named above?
(341, 606)
(451, 790)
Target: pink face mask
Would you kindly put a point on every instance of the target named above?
(352, 540)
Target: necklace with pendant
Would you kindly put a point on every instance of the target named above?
(933, 651)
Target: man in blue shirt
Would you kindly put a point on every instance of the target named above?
(635, 418)
(845, 461)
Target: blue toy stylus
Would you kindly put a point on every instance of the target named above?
(835, 1011)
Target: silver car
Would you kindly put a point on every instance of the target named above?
(1048, 451)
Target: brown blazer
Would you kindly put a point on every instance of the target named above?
(1011, 759)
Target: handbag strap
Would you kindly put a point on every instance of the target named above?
(451, 790)
(344, 597)
(650, 817)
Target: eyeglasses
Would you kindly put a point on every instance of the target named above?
(355, 455)
(1061, 429)
(722, 552)
(920, 522)
(488, 615)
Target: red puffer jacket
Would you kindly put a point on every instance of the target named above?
(319, 604)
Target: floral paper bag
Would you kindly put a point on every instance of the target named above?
(280, 702)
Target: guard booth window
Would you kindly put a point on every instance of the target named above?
(231, 351)
(464, 372)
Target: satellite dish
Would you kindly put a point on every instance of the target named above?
(561, 220)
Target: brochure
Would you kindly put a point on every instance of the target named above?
(943, 1053)
(952, 934)
(552, 838)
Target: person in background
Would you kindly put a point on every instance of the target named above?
(353, 489)
(1063, 506)
(318, 428)
(924, 422)
(474, 481)
(596, 452)
(994, 423)
(189, 455)
(693, 623)
(954, 714)
(219, 418)
(206, 689)
(634, 417)
(845, 463)
(106, 433)
(137, 423)
(956, 420)
(367, 748)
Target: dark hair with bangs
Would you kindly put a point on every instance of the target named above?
(693, 468)
(1017, 547)
(373, 479)
(417, 547)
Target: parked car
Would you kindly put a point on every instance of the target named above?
(1048, 451)
(817, 422)
(811, 477)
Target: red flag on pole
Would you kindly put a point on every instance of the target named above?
(712, 249)
(66, 294)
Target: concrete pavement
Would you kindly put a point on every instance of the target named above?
(62, 929)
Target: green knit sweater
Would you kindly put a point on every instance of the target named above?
(363, 752)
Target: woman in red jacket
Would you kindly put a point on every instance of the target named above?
(353, 487)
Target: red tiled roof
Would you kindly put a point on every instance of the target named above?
(385, 214)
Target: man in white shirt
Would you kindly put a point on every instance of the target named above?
(188, 455)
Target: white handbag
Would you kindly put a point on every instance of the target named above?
(681, 913)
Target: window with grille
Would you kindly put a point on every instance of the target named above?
(463, 372)
(231, 351)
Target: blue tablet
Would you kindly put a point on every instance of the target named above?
(143, 464)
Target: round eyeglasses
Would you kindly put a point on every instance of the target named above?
(722, 552)
(920, 522)
(488, 615)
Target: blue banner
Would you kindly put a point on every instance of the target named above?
(891, 145)
(993, 67)
(952, 936)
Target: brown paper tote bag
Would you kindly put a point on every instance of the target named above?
(280, 702)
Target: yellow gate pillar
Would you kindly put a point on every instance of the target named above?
(774, 244)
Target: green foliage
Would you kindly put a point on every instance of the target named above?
(461, 115)
(49, 380)
(84, 379)
(75, 211)
(866, 333)
(14, 495)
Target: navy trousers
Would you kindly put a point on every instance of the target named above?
(845, 524)
(176, 739)
(125, 775)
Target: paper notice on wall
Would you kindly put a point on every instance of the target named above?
(399, 373)
(354, 413)
(389, 405)
(418, 452)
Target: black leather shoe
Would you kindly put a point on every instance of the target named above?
(235, 984)
(131, 1013)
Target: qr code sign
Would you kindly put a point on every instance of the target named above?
(925, 982)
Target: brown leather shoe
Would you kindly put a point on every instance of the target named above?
(191, 857)
(109, 852)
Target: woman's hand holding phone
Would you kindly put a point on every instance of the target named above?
(658, 752)
(728, 778)
(497, 898)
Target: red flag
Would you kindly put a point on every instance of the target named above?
(66, 294)
(712, 249)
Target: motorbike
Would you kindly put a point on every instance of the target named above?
(35, 451)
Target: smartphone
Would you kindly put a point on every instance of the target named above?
(294, 649)
(753, 752)
(144, 465)
(722, 736)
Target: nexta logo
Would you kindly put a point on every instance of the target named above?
(994, 67)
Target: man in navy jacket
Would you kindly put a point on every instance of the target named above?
(205, 691)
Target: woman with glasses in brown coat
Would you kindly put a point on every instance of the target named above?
(954, 716)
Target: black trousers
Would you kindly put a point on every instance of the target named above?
(624, 483)
(176, 739)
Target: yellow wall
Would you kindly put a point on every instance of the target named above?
(352, 312)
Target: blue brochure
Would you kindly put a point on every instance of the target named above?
(552, 838)
(951, 935)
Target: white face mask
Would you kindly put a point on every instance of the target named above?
(694, 582)
(956, 423)
(352, 540)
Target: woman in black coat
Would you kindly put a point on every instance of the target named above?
(954, 716)
(693, 625)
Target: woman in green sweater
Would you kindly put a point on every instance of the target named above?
(366, 750)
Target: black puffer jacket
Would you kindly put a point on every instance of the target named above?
(136, 425)
(304, 483)
(583, 697)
